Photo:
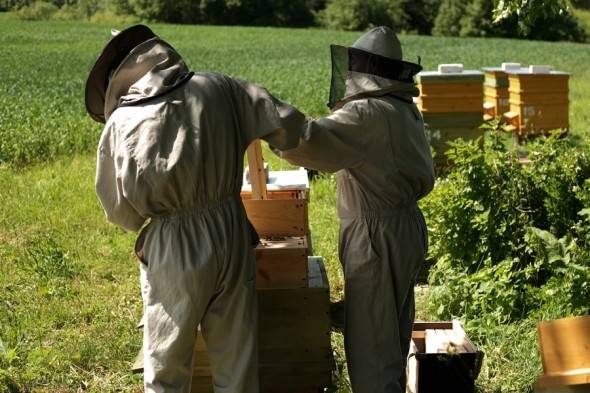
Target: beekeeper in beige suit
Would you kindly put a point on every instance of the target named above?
(375, 139)
(170, 160)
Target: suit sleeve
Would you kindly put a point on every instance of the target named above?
(333, 142)
(263, 116)
(111, 161)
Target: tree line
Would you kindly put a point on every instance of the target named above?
(466, 18)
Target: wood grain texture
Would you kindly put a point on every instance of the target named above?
(278, 217)
(257, 173)
(281, 263)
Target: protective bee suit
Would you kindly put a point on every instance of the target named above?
(170, 161)
(375, 140)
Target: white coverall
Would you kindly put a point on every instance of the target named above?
(376, 142)
(171, 154)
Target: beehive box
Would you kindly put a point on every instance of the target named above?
(496, 97)
(458, 92)
(281, 222)
(295, 354)
(442, 359)
(565, 354)
(538, 102)
(293, 338)
(452, 107)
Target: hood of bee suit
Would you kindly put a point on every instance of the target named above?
(372, 66)
(135, 66)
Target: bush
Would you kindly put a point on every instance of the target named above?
(478, 22)
(182, 11)
(69, 12)
(449, 17)
(39, 10)
(107, 16)
(583, 4)
(475, 19)
(355, 14)
(511, 241)
(564, 27)
(421, 15)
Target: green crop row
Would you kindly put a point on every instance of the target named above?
(45, 64)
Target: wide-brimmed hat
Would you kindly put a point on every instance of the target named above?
(111, 56)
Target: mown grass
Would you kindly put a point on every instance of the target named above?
(69, 297)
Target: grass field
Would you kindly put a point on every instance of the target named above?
(69, 296)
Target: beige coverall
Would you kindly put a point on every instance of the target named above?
(378, 146)
(171, 155)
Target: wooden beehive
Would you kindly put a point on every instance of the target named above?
(565, 354)
(293, 338)
(495, 90)
(452, 107)
(293, 291)
(442, 359)
(538, 102)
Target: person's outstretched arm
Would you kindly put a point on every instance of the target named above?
(334, 142)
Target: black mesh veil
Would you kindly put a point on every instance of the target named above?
(339, 73)
(346, 59)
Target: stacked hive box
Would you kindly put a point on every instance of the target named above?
(293, 295)
(442, 359)
(293, 298)
(452, 106)
(538, 102)
(496, 96)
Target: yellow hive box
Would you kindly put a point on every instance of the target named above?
(538, 102)
(458, 92)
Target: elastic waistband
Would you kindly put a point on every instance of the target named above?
(198, 210)
(381, 213)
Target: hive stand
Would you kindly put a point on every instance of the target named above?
(538, 102)
(452, 107)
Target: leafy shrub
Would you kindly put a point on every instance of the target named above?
(449, 16)
(421, 15)
(355, 14)
(511, 240)
(108, 16)
(583, 4)
(39, 10)
(478, 22)
(69, 12)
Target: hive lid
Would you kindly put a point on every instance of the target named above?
(526, 71)
(283, 180)
(461, 77)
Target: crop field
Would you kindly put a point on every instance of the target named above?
(69, 291)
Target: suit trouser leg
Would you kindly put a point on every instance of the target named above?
(170, 326)
(230, 331)
(379, 310)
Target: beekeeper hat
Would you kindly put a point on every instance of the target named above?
(376, 53)
(111, 56)
(380, 41)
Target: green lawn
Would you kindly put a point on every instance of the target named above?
(69, 293)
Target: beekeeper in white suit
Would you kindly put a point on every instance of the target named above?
(375, 139)
(170, 161)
